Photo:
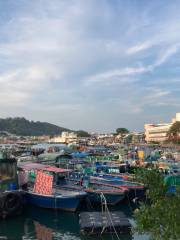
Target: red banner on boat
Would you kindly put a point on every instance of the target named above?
(43, 184)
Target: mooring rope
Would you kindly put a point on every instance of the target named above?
(108, 212)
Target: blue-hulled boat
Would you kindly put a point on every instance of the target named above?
(134, 189)
(63, 199)
(112, 194)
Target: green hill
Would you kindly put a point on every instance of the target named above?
(24, 127)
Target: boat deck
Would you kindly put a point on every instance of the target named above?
(67, 192)
(63, 192)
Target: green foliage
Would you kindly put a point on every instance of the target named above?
(174, 132)
(128, 139)
(122, 130)
(160, 216)
(153, 181)
(82, 133)
(23, 127)
(175, 129)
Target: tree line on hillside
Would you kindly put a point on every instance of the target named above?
(24, 127)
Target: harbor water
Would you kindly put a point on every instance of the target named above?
(44, 224)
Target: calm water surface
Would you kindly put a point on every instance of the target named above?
(42, 224)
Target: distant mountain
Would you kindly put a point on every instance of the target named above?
(24, 127)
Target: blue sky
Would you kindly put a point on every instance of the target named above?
(88, 64)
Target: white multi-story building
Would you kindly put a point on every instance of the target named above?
(159, 132)
(66, 137)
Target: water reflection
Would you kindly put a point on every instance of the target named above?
(41, 224)
(42, 232)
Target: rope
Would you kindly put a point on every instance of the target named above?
(55, 201)
(103, 210)
(108, 212)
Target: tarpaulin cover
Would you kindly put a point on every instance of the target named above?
(43, 184)
(33, 166)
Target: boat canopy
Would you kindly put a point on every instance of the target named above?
(38, 166)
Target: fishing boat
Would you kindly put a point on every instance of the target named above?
(45, 193)
(94, 190)
(135, 190)
(61, 199)
(112, 194)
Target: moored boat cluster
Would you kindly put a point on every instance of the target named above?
(65, 179)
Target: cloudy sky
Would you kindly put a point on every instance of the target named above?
(90, 64)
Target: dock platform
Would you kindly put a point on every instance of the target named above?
(106, 222)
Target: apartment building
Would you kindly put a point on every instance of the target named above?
(158, 132)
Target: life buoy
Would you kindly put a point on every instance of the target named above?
(12, 204)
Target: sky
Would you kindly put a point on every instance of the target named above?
(94, 65)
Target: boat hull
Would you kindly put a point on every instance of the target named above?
(65, 203)
(111, 198)
(136, 193)
(95, 195)
(134, 190)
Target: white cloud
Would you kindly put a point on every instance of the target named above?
(117, 74)
(139, 48)
(156, 94)
(169, 52)
(47, 48)
(19, 85)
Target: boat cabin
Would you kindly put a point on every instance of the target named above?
(31, 170)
